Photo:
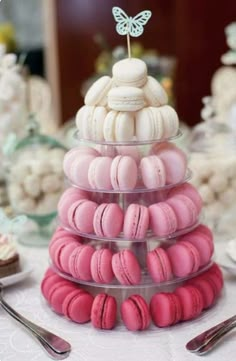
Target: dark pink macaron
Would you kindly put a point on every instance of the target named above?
(104, 310)
(159, 266)
(58, 294)
(191, 300)
(77, 306)
(135, 313)
(163, 220)
(206, 289)
(136, 221)
(166, 309)
(108, 220)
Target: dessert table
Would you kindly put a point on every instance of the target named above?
(88, 343)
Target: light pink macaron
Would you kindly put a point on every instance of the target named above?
(185, 210)
(174, 160)
(187, 189)
(136, 221)
(101, 268)
(159, 266)
(99, 173)
(79, 262)
(163, 220)
(74, 154)
(126, 267)
(81, 214)
(78, 172)
(108, 220)
(184, 258)
(124, 173)
(153, 172)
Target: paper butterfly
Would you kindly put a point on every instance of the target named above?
(128, 25)
(13, 225)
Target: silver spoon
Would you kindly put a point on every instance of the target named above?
(53, 344)
(208, 339)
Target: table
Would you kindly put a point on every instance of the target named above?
(89, 344)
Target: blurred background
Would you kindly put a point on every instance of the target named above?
(64, 39)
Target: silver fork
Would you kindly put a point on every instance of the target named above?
(204, 342)
(54, 345)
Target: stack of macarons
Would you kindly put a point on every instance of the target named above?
(129, 106)
(186, 302)
(164, 165)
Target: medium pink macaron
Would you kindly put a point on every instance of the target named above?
(101, 268)
(136, 221)
(165, 309)
(57, 251)
(184, 258)
(185, 210)
(163, 219)
(174, 160)
(191, 301)
(104, 310)
(108, 220)
(124, 173)
(153, 172)
(81, 214)
(79, 262)
(159, 266)
(126, 267)
(135, 313)
(77, 305)
(187, 189)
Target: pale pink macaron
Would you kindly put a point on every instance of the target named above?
(126, 267)
(185, 210)
(159, 266)
(184, 258)
(75, 153)
(81, 214)
(187, 189)
(124, 173)
(135, 313)
(133, 152)
(174, 160)
(99, 173)
(78, 173)
(77, 305)
(70, 196)
(153, 172)
(79, 262)
(136, 221)
(108, 220)
(203, 243)
(163, 220)
(101, 268)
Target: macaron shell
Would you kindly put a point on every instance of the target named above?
(135, 313)
(154, 93)
(149, 124)
(77, 306)
(159, 266)
(92, 122)
(97, 93)
(65, 255)
(47, 282)
(191, 300)
(99, 173)
(206, 290)
(58, 296)
(153, 172)
(165, 309)
(190, 191)
(126, 98)
(101, 268)
(104, 310)
(185, 210)
(78, 173)
(170, 121)
(184, 258)
(203, 244)
(121, 168)
(126, 267)
(103, 221)
(130, 72)
(136, 221)
(163, 220)
(77, 218)
(79, 262)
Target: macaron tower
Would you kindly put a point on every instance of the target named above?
(130, 249)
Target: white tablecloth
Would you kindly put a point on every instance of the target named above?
(89, 344)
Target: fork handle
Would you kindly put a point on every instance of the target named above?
(56, 343)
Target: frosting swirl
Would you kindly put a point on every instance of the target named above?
(7, 250)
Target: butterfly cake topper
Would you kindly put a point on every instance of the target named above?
(130, 26)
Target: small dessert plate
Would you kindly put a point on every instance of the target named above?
(224, 257)
(25, 270)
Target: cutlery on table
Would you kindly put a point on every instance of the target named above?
(54, 345)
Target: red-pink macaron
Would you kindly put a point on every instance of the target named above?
(81, 214)
(191, 301)
(185, 210)
(126, 267)
(101, 268)
(104, 310)
(159, 266)
(108, 220)
(163, 220)
(124, 173)
(135, 313)
(206, 289)
(79, 262)
(184, 258)
(77, 306)
(136, 221)
(165, 309)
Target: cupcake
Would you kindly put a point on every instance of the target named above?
(9, 258)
